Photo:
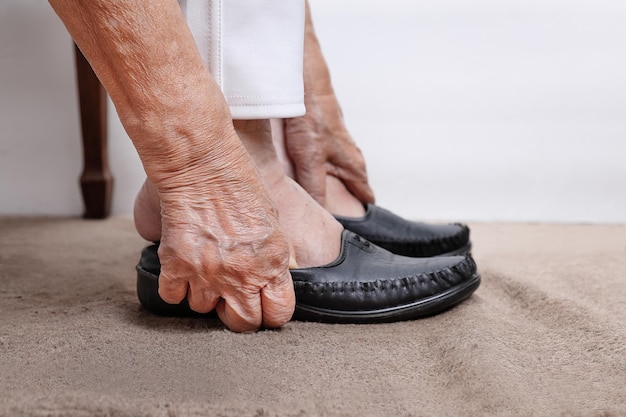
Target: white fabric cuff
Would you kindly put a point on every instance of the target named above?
(254, 50)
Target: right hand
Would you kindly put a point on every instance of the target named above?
(220, 243)
(221, 247)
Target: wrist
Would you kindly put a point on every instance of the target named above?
(179, 157)
(216, 169)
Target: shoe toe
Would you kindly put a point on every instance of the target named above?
(371, 284)
(409, 238)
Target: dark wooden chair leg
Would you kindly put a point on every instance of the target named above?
(96, 181)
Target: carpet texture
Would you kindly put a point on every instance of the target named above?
(545, 335)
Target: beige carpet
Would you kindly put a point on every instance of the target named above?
(545, 335)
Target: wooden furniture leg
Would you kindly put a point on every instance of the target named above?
(96, 181)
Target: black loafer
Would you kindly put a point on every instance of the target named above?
(366, 284)
(407, 238)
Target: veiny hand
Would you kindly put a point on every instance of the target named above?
(319, 144)
(220, 242)
(222, 248)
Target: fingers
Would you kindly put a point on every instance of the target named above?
(230, 278)
(171, 289)
(201, 301)
(272, 307)
(360, 189)
(353, 174)
(278, 301)
(241, 314)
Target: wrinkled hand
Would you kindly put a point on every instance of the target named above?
(222, 248)
(220, 243)
(319, 144)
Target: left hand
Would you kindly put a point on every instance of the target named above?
(319, 144)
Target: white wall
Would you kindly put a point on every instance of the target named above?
(40, 145)
(482, 110)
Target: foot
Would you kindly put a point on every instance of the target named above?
(381, 227)
(340, 201)
(392, 232)
(312, 231)
(339, 276)
(147, 212)
(337, 199)
(368, 284)
(365, 284)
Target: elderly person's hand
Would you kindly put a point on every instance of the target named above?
(224, 251)
(318, 143)
(220, 242)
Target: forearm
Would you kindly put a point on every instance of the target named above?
(147, 60)
(316, 74)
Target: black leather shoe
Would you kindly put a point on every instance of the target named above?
(366, 284)
(407, 238)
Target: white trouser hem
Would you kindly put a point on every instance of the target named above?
(254, 50)
(270, 111)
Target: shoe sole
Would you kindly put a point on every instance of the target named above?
(422, 308)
